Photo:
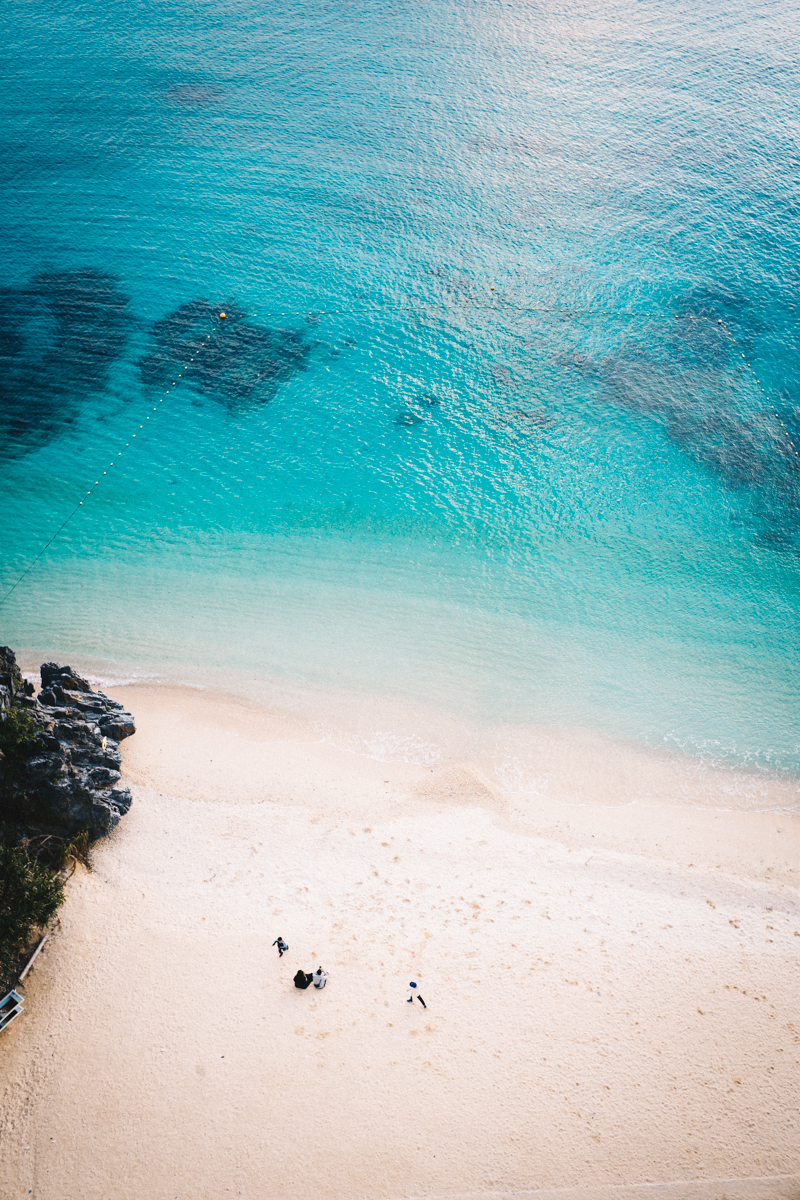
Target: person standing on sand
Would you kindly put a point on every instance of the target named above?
(282, 947)
(413, 994)
(320, 978)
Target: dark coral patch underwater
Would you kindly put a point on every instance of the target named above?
(241, 365)
(194, 95)
(698, 386)
(407, 418)
(59, 336)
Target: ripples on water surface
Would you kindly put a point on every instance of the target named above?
(503, 413)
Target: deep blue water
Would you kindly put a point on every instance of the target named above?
(504, 410)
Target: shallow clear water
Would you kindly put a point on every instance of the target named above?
(504, 410)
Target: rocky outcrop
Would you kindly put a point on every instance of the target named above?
(11, 682)
(60, 763)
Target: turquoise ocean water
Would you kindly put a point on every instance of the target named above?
(503, 413)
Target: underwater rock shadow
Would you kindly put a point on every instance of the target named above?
(241, 366)
(411, 415)
(408, 419)
(59, 336)
(534, 418)
(194, 95)
(695, 393)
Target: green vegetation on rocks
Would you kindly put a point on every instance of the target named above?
(20, 738)
(29, 897)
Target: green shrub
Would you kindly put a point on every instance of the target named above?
(19, 741)
(29, 897)
(63, 854)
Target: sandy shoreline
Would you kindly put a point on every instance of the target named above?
(611, 990)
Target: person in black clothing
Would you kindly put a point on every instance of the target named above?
(302, 980)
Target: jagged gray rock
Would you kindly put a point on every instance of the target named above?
(65, 779)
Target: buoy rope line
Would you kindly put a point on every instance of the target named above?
(760, 385)
(100, 478)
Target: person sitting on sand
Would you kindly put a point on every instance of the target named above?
(302, 980)
(320, 978)
(282, 947)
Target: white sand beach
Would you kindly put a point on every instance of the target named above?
(611, 990)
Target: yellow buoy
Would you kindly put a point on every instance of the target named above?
(222, 316)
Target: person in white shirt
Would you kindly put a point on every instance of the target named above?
(415, 993)
(320, 978)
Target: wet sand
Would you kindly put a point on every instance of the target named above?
(611, 990)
